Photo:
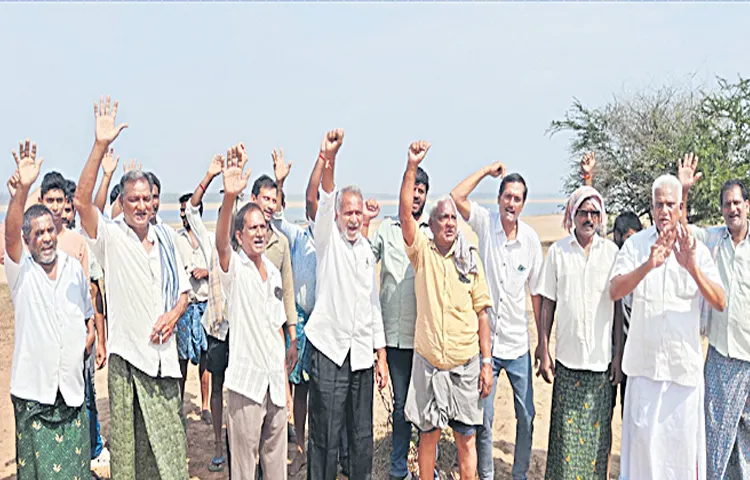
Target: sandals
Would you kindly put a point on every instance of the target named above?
(206, 417)
(217, 464)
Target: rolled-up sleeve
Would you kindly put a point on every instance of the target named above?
(287, 285)
(98, 245)
(480, 293)
(323, 228)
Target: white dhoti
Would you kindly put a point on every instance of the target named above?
(663, 431)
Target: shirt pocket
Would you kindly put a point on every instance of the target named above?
(516, 278)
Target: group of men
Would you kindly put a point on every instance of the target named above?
(313, 330)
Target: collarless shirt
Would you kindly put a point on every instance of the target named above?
(584, 309)
(192, 258)
(135, 298)
(346, 318)
(664, 336)
(50, 329)
(510, 265)
(398, 301)
(302, 252)
(729, 331)
(256, 313)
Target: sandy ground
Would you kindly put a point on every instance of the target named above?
(200, 435)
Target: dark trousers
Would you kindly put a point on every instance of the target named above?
(339, 398)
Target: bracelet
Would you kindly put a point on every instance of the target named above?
(487, 361)
(586, 176)
(202, 187)
(321, 156)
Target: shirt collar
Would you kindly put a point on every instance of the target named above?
(450, 253)
(574, 240)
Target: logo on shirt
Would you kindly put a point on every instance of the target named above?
(521, 268)
(277, 292)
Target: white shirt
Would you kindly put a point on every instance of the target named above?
(346, 318)
(584, 310)
(664, 336)
(729, 331)
(193, 258)
(135, 298)
(256, 346)
(509, 266)
(50, 329)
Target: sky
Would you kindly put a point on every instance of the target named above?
(480, 81)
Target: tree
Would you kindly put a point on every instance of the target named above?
(636, 139)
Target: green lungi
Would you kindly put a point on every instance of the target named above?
(580, 430)
(147, 439)
(52, 441)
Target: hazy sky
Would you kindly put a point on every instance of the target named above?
(480, 81)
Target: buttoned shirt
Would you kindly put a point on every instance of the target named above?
(302, 252)
(397, 299)
(50, 329)
(511, 265)
(664, 336)
(135, 297)
(256, 347)
(214, 320)
(192, 258)
(346, 318)
(448, 304)
(584, 310)
(729, 331)
(277, 250)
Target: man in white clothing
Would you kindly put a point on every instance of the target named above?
(668, 271)
(258, 399)
(344, 329)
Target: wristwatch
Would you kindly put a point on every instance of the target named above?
(487, 361)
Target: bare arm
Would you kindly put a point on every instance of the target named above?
(234, 183)
(106, 133)
(461, 193)
(588, 162)
(26, 174)
(281, 172)
(33, 198)
(417, 152)
(311, 194)
(109, 165)
(688, 178)
(536, 307)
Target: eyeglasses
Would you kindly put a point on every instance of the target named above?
(586, 213)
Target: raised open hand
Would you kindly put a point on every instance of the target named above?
(27, 165)
(216, 165)
(12, 184)
(372, 210)
(106, 131)
(686, 171)
(234, 180)
(662, 248)
(109, 162)
(588, 162)
(497, 169)
(280, 169)
(417, 151)
(685, 254)
(331, 144)
(131, 164)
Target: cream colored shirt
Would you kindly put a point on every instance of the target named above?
(192, 258)
(135, 298)
(447, 327)
(729, 331)
(256, 346)
(664, 336)
(584, 310)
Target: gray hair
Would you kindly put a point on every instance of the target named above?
(435, 210)
(669, 182)
(135, 176)
(348, 189)
(33, 212)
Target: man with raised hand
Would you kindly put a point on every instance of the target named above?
(50, 294)
(214, 321)
(147, 290)
(512, 254)
(668, 271)
(449, 381)
(344, 329)
(727, 367)
(259, 399)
